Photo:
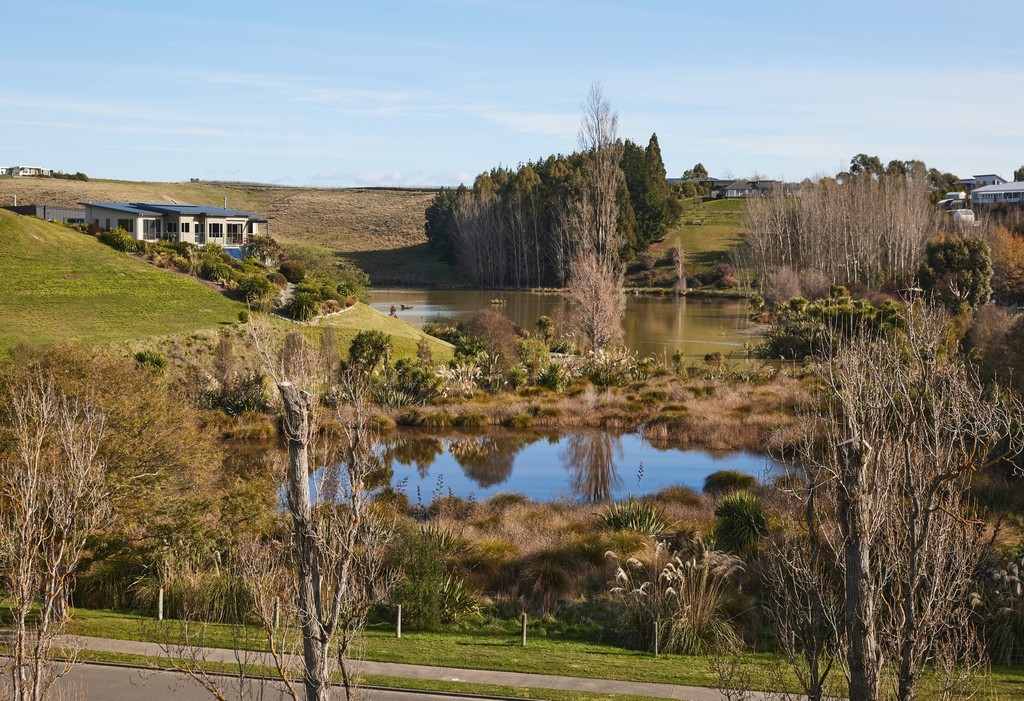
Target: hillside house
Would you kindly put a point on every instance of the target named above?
(191, 223)
(1002, 193)
(24, 171)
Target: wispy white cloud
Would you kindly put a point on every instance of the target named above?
(525, 122)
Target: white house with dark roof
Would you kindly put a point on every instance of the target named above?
(1001, 193)
(191, 223)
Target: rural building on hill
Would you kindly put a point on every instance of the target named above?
(1000, 193)
(24, 171)
(191, 223)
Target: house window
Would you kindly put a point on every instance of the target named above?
(216, 231)
(126, 224)
(184, 227)
(172, 227)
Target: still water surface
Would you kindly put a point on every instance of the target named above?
(591, 466)
(653, 325)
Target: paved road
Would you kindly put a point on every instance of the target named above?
(108, 683)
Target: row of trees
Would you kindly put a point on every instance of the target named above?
(865, 229)
(523, 227)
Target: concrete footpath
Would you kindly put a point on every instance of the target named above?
(451, 674)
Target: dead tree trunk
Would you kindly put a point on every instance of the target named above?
(298, 405)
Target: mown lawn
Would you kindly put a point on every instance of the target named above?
(61, 286)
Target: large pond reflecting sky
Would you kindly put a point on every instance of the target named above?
(592, 466)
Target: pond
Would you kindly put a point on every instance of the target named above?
(591, 467)
(653, 325)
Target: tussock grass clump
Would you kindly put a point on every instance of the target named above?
(518, 421)
(728, 481)
(504, 500)
(472, 419)
(678, 494)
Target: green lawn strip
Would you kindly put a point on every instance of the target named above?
(486, 650)
(156, 662)
(500, 650)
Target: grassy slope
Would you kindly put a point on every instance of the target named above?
(404, 336)
(379, 230)
(60, 286)
(57, 285)
(707, 230)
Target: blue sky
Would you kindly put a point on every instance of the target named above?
(399, 92)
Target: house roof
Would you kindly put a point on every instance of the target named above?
(1005, 187)
(125, 207)
(192, 210)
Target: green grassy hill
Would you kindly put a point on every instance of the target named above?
(61, 286)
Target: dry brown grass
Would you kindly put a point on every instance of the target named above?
(340, 219)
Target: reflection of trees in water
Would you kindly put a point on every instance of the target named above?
(487, 460)
(590, 459)
(412, 450)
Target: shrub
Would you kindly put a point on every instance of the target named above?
(303, 306)
(370, 350)
(294, 271)
(553, 377)
(243, 316)
(740, 524)
(635, 515)
(246, 392)
(533, 354)
(728, 481)
(213, 268)
(254, 287)
(121, 240)
(277, 279)
(498, 336)
(420, 588)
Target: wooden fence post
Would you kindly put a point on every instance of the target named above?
(524, 628)
(160, 604)
(398, 625)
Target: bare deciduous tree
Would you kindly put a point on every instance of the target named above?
(52, 498)
(861, 230)
(597, 211)
(596, 303)
(901, 425)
